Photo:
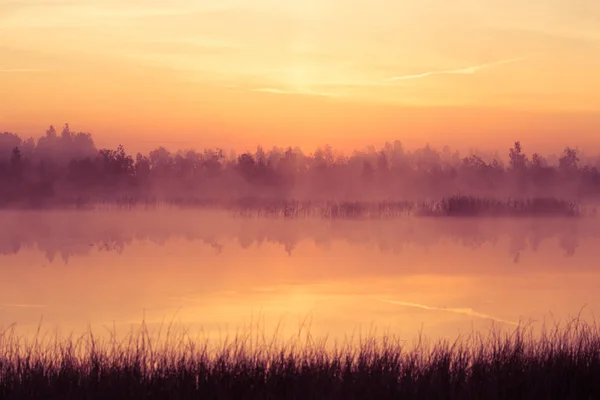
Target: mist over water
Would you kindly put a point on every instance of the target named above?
(79, 233)
(275, 272)
(408, 240)
(67, 169)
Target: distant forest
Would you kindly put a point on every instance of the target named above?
(67, 167)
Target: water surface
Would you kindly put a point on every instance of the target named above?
(109, 270)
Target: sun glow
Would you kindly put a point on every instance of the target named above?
(288, 72)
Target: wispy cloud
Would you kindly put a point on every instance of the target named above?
(17, 70)
(273, 90)
(296, 92)
(22, 305)
(459, 71)
(463, 311)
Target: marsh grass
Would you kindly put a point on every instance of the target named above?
(452, 206)
(469, 206)
(559, 363)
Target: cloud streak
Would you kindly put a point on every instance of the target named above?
(18, 70)
(459, 71)
(4, 306)
(463, 311)
(300, 92)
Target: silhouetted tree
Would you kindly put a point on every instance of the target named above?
(8, 141)
(518, 160)
(16, 168)
(247, 167)
(568, 161)
(69, 166)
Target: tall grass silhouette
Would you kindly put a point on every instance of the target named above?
(561, 362)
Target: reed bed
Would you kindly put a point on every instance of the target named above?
(558, 363)
(453, 206)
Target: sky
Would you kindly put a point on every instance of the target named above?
(233, 73)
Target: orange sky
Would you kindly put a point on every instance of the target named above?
(235, 73)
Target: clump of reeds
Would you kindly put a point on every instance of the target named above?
(470, 206)
(255, 207)
(561, 363)
(454, 206)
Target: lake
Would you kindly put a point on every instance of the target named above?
(109, 270)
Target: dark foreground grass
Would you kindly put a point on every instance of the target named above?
(562, 363)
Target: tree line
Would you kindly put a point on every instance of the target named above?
(67, 167)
